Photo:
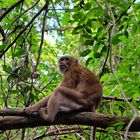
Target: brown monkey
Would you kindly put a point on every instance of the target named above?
(79, 89)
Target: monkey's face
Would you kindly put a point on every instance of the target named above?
(65, 62)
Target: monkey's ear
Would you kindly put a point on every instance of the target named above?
(75, 60)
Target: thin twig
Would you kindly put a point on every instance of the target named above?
(42, 37)
(63, 131)
(103, 68)
(3, 34)
(21, 15)
(61, 29)
(107, 55)
(111, 32)
(119, 99)
(98, 3)
(49, 82)
(119, 18)
(57, 9)
(56, 16)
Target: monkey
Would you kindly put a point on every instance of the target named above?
(80, 89)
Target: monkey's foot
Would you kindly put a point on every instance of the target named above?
(43, 114)
(30, 112)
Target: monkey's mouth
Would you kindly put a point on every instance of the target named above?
(63, 67)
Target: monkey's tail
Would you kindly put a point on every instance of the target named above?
(93, 133)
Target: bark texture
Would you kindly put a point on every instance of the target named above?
(16, 119)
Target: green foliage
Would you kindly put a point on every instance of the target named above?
(91, 30)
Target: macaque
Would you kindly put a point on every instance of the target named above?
(79, 90)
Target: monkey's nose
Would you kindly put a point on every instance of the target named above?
(62, 63)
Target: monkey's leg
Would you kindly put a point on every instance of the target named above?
(58, 102)
(72, 95)
(50, 112)
(37, 106)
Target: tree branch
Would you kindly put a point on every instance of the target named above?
(21, 15)
(10, 9)
(6, 49)
(110, 28)
(83, 118)
(3, 34)
(42, 36)
(119, 99)
(57, 18)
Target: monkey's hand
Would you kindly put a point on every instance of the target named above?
(31, 111)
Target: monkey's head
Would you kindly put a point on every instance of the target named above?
(65, 62)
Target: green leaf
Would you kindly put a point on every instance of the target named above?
(100, 29)
(79, 15)
(19, 52)
(88, 30)
(7, 68)
(14, 92)
(109, 129)
(89, 42)
(89, 23)
(121, 27)
(87, 6)
(25, 89)
(134, 29)
(85, 53)
(122, 38)
(20, 40)
(86, 36)
(65, 19)
(115, 39)
(119, 125)
(25, 72)
(75, 30)
(104, 49)
(89, 60)
(97, 55)
(2, 47)
(96, 47)
(126, 34)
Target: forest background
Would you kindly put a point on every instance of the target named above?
(103, 34)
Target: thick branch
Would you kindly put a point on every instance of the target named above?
(83, 118)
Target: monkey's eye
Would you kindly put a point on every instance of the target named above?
(67, 59)
(61, 59)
